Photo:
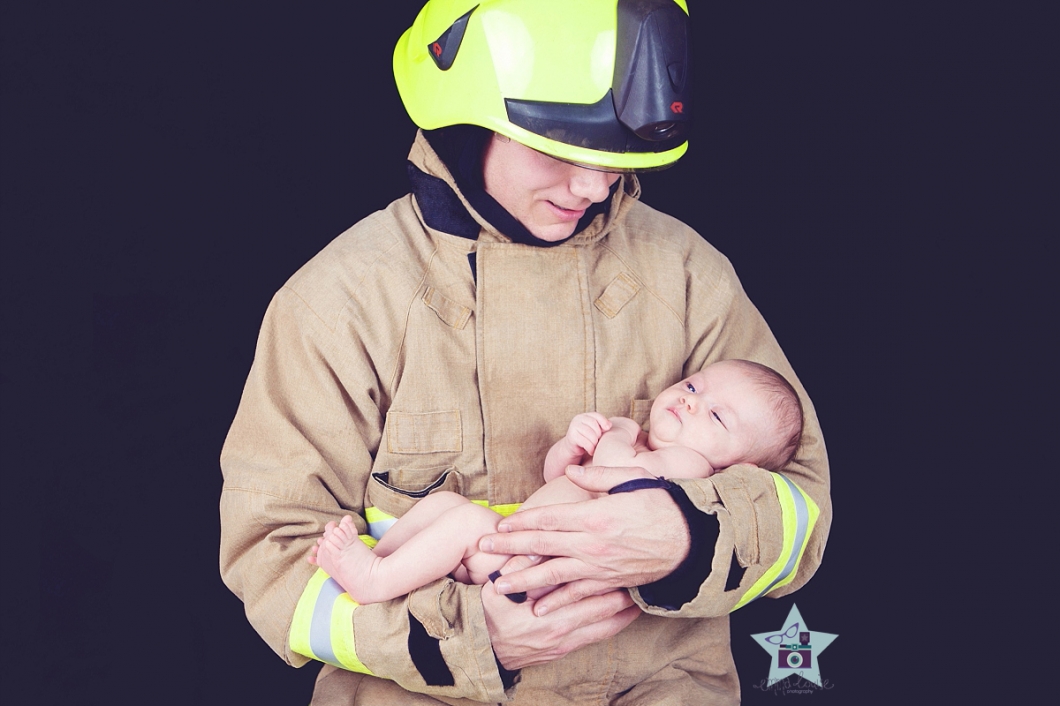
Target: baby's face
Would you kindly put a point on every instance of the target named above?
(718, 412)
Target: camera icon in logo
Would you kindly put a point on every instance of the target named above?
(794, 656)
(799, 657)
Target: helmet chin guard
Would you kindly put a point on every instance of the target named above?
(602, 83)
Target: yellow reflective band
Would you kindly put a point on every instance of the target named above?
(303, 616)
(322, 628)
(506, 509)
(799, 513)
(342, 640)
(379, 522)
(374, 514)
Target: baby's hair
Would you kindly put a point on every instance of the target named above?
(787, 413)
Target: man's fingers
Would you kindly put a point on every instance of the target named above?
(594, 609)
(520, 562)
(605, 627)
(521, 639)
(566, 518)
(569, 594)
(550, 573)
(601, 479)
(537, 543)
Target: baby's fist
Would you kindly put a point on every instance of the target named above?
(586, 429)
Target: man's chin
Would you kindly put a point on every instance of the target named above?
(553, 234)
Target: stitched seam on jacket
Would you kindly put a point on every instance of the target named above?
(588, 332)
(633, 271)
(408, 314)
(360, 283)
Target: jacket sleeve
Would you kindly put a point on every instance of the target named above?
(767, 530)
(299, 454)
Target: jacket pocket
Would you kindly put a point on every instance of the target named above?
(395, 491)
(423, 432)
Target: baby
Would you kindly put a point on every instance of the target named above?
(734, 411)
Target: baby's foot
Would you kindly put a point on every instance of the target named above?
(342, 554)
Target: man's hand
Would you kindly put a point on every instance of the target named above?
(521, 639)
(617, 541)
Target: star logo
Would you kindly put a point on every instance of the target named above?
(795, 649)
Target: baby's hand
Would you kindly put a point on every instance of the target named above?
(586, 429)
(627, 425)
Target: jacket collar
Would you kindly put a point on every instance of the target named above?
(457, 204)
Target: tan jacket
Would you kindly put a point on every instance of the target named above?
(383, 355)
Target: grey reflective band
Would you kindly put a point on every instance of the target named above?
(378, 528)
(802, 523)
(320, 629)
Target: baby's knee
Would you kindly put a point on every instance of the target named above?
(444, 500)
(476, 518)
(448, 496)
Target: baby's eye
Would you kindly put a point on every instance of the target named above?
(690, 386)
(715, 414)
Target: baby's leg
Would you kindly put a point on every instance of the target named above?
(342, 554)
(438, 549)
(420, 516)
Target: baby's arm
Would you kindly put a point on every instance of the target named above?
(619, 448)
(580, 442)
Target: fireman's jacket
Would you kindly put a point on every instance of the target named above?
(404, 360)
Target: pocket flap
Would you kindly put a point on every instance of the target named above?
(450, 312)
(424, 432)
(617, 295)
(395, 491)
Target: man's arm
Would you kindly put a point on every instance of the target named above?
(767, 530)
(298, 455)
(757, 532)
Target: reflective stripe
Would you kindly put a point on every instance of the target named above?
(379, 522)
(802, 524)
(503, 510)
(302, 623)
(799, 513)
(342, 638)
(322, 628)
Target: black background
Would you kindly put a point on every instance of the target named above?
(876, 174)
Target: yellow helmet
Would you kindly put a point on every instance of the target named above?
(603, 83)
